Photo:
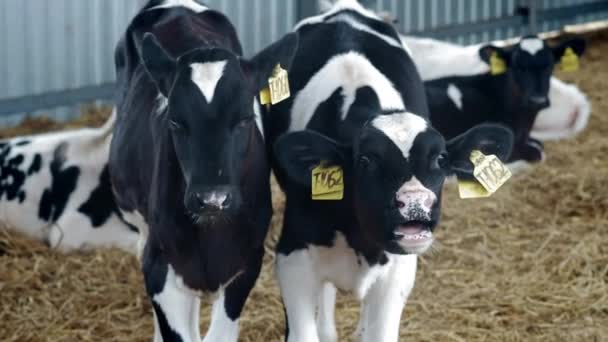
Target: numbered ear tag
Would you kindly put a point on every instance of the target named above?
(327, 183)
(490, 174)
(497, 64)
(278, 87)
(569, 61)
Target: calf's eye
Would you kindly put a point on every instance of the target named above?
(439, 162)
(364, 161)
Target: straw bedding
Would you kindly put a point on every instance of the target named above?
(529, 264)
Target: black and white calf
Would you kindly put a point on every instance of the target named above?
(56, 188)
(188, 158)
(513, 98)
(568, 111)
(359, 103)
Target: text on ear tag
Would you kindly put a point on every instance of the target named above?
(497, 64)
(489, 171)
(569, 61)
(490, 174)
(278, 85)
(327, 183)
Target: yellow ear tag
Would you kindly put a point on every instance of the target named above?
(327, 183)
(497, 64)
(490, 174)
(265, 96)
(569, 61)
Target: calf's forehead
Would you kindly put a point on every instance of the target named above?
(531, 45)
(401, 129)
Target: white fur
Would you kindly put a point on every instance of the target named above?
(89, 150)
(337, 7)
(222, 328)
(382, 289)
(401, 128)
(566, 117)
(135, 218)
(347, 19)
(531, 45)
(326, 309)
(350, 71)
(455, 95)
(190, 4)
(257, 111)
(206, 77)
(181, 308)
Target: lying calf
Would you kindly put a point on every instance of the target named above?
(512, 96)
(359, 113)
(458, 76)
(56, 188)
(188, 159)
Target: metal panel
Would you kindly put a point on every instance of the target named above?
(59, 52)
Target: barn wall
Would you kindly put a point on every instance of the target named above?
(59, 52)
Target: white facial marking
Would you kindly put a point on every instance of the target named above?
(531, 45)
(349, 71)
(401, 128)
(206, 76)
(455, 95)
(190, 4)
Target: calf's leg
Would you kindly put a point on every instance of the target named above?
(229, 304)
(176, 311)
(300, 287)
(326, 308)
(384, 302)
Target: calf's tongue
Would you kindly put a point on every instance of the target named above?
(410, 229)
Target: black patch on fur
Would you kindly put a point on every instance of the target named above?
(101, 203)
(12, 178)
(23, 143)
(36, 165)
(63, 183)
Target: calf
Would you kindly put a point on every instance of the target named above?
(188, 159)
(568, 111)
(56, 188)
(513, 97)
(359, 105)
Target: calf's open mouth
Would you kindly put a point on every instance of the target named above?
(414, 233)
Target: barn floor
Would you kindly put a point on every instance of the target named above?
(529, 264)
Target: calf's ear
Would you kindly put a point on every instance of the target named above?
(260, 67)
(157, 63)
(487, 138)
(578, 45)
(486, 51)
(297, 153)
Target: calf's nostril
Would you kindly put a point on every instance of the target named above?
(399, 204)
(227, 201)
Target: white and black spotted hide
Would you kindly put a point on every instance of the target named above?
(55, 188)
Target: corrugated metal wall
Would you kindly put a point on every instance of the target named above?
(424, 16)
(58, 45)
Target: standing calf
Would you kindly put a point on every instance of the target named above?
(359, 104)
(188, 158)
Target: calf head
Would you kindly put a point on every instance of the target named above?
(530, 63)
(209, 95)
(393, 173)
